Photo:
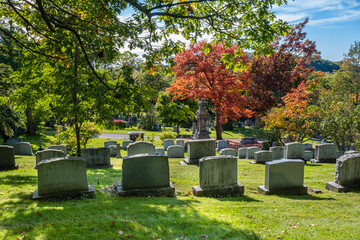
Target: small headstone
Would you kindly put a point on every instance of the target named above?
(249, 140)
(40, 147)
(126, 143)
(140, 147)
(115, 150)
(315, 190)
(228, 152)
(12, 141)
(242, 153)
(48, 154)
(262, 157)
(308, 155)
(97, 157)
(59, 147)
(277, 152)
(175, 151)
(180, 142)
(284, 176)
(294, 150)
(198, 149)
(23, 148)
(160, 151)
(109, 143)
(167, 143)
(218, 177)
(7, 158)
(222, 144)
(325, 152)
(136, 135)
(250, 152)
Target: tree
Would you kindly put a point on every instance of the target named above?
(200, 75)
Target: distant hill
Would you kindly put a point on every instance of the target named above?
(324, 65)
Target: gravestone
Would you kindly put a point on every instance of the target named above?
(228, 152)
(175, 151)
(250, 152)
(222, 144)
(308, 155)
(7, 158)
(248, 140)
(23, 148)
(351, 152)
(285, 176)
(136, 135)
(193, 128)
(109, 143)
(202, 117)
(62, 177)
(146, 175)
(115, 150)
(294, 150)
(160, 151)
(277, 152)
(242, 153)
(198, 149)
(308, 146)
(48, 154)
(347, 174)
(126, 143)
(218, 177)
(325, 152)
(140, 147)
(97, 157)
(339, 154)
(180, 142)
(262, 157)
(61, 147)
(167, 143)
(12, 141)
(186, 146)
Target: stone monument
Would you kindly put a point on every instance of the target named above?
(201, 117)
(7, 158)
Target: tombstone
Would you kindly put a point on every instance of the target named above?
(325, 152)
(347, 174)
(250, 152)
(109, 143)
(222, 144)
(202, 117)
(285, 176)
(180, 142)
(146, 175)
(277, 152)
(97, 157)
(351, 152)
(140, 147)
(59, 147)
(262, 157)
(62, 177)
(228, 152)
(40, 147)
(248, 140)
(48, 154)
(186, 143)
(175, 151)
(308, 146)
(126, 143)
(167, 143)
(308, 155)
(23, 148)
(136, 135)
(115, 150)
(339, 154)
(294, 150)
(160, 151)
(198, 149)
(218, 177)
(7, 158)
(12, 141)
(242, 153)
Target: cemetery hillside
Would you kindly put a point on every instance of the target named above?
(175, 120)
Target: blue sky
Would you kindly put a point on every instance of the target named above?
(333, 24)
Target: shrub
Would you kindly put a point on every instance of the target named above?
(121, 124)
(167, 135)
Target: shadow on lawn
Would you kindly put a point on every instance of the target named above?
(242, 198)
(305, 197)
(18, 180)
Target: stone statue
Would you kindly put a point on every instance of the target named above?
(201, 117)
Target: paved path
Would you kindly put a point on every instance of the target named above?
(126, 136)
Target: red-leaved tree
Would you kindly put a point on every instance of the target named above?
(199, 75)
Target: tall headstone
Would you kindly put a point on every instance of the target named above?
(228, 152)
(277, 152)
(109, 143)
(167, 143)
(140, 147)
(23, 148)
(61, 147)
(198, 149)
(218, 177)
(126, 143)
(325, 152)
(48, 154)
(97, 157)
(262, 157)
(146, 175)
(7, 158)
(222, 144)
(175, 151)
(250, 152)
(242, 153)
(202, 117)
(294, 150)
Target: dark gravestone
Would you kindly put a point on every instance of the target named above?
(7, 158)
(12, 141)
(97, 157)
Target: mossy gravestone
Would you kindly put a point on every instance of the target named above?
(218, 177)
(23, 148)
(167, 143)
(48, 154)
(250, 152)
(294, 150)
(277, 152)
(7, 158)
(97, 157)
(140, 147)
(198, 149)
(262, 157)
(180, 142)
(145, 175)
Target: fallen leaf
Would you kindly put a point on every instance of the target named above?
(203, 236)
(171, 205)
(192, 198)
(248, 216)
(39, 214)
(120, 232)
(265, 228)
(293, 226)
(112, 222)
(189, 192)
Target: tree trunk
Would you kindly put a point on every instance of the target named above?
(77, 133)
(218, 127)
(178, 129)
(30, 121)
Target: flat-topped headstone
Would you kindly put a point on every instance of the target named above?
(277, 152)
(140, 147)
(126, 143)
(222, 144)
(109, 143)
(325, 152)
(60, 177)
(198, 149)
(167, 143)
(175, 151)
(180, 142)
(294, 150)
(61, 147)
(136, 136)
(146, 175)
(23, 148)
(263, 157)
(308, 155)
(160, 151)
(97, 157)
(228, 152)
(12, 141)
(7, 158)
(218, 177)
(48, 154)
(115, 150)
(347, 174)
(242, 153)
(250, 152)
(285, 176)
(249, 140)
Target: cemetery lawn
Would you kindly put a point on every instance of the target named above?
(327, 215)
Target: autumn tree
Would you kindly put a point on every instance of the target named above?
(201, 75)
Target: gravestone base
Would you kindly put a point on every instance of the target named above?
(75, 194)
(9, 167)
(190, 161)
(225, 191)
(100, 166)
(323, 161)
(255, 162)
(284, 191)
(144, 192)
(333, 186)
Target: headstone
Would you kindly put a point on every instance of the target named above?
(115, 150)
(308, 155)
(250, 152)
(308, 146)
(218, 177)
(242, 153)
(140, 147)
(48, 154)
(160, 151)
(325, 152)
(23, 148)
(285, 176)
(180, 142)
(40, 147)
(262, 157)
(347, 174)
(12, 141)
(228, 152)
(60, 177)
(294, 150)
(97, 157)
(109, 143)
(175, 151)
(126, 143)
(59, 147)
(222, 144)
(136, 135)
(339, 154)
(146, 175)
(193, 128)
(198, 149)
(249, 140)
(167, 143)
(202, 117)
(277, 152)
(351, 152)
(186, 145)
(7, 158)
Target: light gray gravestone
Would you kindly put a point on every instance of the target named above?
(347, 174)
(228, 152)
(61, 177)
(115, 150)
(250, 152)
(242, 153)
(97, 157)
(262, 157)
(160, 151)
(23, 148)
(140, 147)
(48, 154)
(277, 152)
(351, 152)
(175, 151)
(285, 176)
(308, 155)
(146, 175)
(109, 143)
(325, 152)
(218, 177)
(136, 135)
(61, 147)
(199, 148)
(7, 158)
(126, 143)
(294, 150)
(167, 143)
(180, 142)
(222, 144)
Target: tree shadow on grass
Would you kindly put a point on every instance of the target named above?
(18, 180)
(242, 198)
(305, 197)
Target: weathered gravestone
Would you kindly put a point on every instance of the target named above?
(222, 144)
(308, 146)
(262, 157)
(146, 175)
(140, 147)
(285, 176)
(218, 177)
(198, 149)
(167, 143)
(277, 152)
(228, 152)
(136, 135)
(126, 143)
(242, 153)
(250, 152)
(48, 154)
(23, 148)
(351, 152)
(115, 150)
(175, 151)
(160, 151)
(62, 177)
(308, 155)
(7, 158)
(249, 140)
(294, 150)
(61, 147)
(97, 157)
(347, 174)
(325, 152)
(180, 142)
(109, 143)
